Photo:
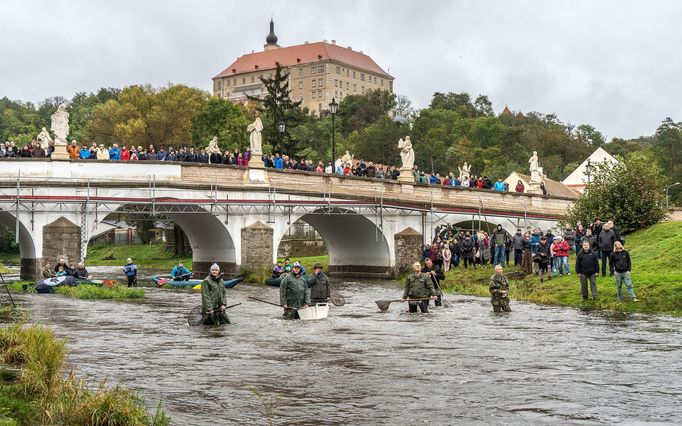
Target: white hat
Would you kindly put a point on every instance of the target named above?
(215, 266)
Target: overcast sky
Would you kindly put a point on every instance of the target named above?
(613, 64)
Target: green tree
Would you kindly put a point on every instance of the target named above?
(458, 102)
(224, 120)
(589, 135)
(668, 150)
(379, 141)
(357, 112)
(630, 193)
(142, 116)
(277, 106)
(82, 108)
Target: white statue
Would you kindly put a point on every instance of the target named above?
(255, 139)
(212, 148)
(535, 176)
(406, 153)
(347, 159)
(44, 137)
(60, 124)
(464, 171)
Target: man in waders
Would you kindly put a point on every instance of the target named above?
(294, 293)
(418, 285)
(435, 274)
(213, 297)
(319, 286)
(499, 291)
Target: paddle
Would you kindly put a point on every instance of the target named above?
(384, 304)
(197, 316)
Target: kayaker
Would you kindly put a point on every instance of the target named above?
(48, 272)
(180, 273)
(80, 272)
(287, 265)
(319, 286)
(293, 293)
(303, 272)
(419, 285)
(61, 263)
(131, 273)
(277, 270)
(214, 297)
(60, 271)
(499, 291)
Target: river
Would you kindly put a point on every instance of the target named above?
(459, 364)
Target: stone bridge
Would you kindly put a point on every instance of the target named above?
(237, 216)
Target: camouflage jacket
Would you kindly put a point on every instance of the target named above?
(418, 285)
(498, 284)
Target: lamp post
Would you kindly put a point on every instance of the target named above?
(667, 201)
(333, 108)
(282, 127)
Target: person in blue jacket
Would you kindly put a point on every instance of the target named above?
(131, 273)
(180, 273)
(84, 152)
(115, 152)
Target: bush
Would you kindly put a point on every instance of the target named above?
(629, 193)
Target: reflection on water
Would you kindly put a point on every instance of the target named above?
(459, 364)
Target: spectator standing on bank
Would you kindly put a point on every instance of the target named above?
(620, 260)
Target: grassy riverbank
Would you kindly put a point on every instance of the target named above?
(656, 275)
(36, 386)
(85, 291)
(260, 275)
(151, 256)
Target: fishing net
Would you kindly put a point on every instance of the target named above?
(383, 304)
(337, 299)
(196, 316)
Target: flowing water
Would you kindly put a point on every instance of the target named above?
(459, 364)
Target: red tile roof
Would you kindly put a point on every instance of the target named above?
(301, 54)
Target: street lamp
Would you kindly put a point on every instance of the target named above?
(281, 126)
(667, 201)
(333, 108)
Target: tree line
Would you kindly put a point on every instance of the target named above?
(454, 128)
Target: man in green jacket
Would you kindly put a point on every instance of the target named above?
(499, 291)
(213, 298)
(294, 293)
(418, 285)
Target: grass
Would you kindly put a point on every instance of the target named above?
(94, 292)
(656, 276)
(84, 291)
(35, 387)
(152, 256)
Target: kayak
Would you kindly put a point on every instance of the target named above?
(191, 283)
(228, 283)
(275, 282)
(47, 285)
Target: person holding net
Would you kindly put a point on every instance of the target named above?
(418, 285)
(214, 298)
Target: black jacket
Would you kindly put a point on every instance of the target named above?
(586, 263)
(606, 239)
(434, 278)
(468, 249)
(544, 252)
(621, 261)
(319, 289)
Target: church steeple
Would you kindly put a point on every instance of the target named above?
(271, 39)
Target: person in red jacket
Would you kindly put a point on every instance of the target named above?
(560, 249)
(125, 154)
(519, 187)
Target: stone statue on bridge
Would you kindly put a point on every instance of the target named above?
(535, 176)
(347, 159)
(406, 153)
(60, 128)
(212, 148)
(255, 138)
(44, 138)
(464, 171)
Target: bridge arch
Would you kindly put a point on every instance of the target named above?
(209, 238)
(27, 246)
(356, 245)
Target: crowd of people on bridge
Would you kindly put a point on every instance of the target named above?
(536, 252)
(190, 154)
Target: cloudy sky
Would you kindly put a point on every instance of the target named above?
(614, 64)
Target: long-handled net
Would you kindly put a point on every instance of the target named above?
(197, 316)
(337, 299)
(384, 304)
